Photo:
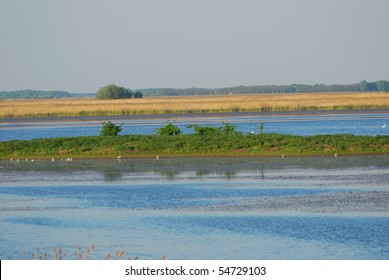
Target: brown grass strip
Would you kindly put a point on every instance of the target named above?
(194, 104)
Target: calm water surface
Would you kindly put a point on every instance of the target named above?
(358, 124)
(225, 208)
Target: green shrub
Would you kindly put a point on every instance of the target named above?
(226, 129)
(110, 129)
(168, 129)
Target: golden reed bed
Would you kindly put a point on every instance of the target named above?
(198, 104)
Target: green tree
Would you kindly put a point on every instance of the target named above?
(229, 129)
(113, 92)
(138, 94)
(128, 93)
(110, 129)
(365, 86)
(204, 130)
(226, 129)
(168, 129)
(382, 85)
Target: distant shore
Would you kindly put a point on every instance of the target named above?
(234, 103)
(191, 116)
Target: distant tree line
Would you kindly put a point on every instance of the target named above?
(376, 86)
(34, 94)
(115, 92)
(294, 88)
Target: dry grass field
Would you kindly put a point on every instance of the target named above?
(198, 104)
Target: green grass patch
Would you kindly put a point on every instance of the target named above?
(193, 145)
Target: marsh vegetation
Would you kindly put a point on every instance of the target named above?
(194, 104)
(193, 145)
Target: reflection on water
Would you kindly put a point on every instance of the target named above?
(198, 208)
(114, 171)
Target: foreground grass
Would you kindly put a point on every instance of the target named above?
(194, 104)
(80, 254)
(128, 146)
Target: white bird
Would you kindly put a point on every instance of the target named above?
(283, 156)
(335, 155)
(384, 126)
(157, 157)
(119, 157)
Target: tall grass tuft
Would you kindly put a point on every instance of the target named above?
(79, 254)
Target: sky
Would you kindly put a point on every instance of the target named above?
(82, 45)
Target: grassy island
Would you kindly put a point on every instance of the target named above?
(129, 146)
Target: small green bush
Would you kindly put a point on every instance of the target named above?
(226, 129)
(168, 129)
(110, 129)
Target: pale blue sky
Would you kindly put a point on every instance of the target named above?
(81, 45)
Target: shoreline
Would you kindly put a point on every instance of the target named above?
(156, 155)
(32, 158)
(176, 116)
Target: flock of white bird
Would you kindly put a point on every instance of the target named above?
(32, 160)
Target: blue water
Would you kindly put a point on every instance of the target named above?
(358, 124)
(226, 208)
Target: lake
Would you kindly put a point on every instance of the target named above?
(196, 208)
(364, 122)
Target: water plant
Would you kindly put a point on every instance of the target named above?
(80, 254)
